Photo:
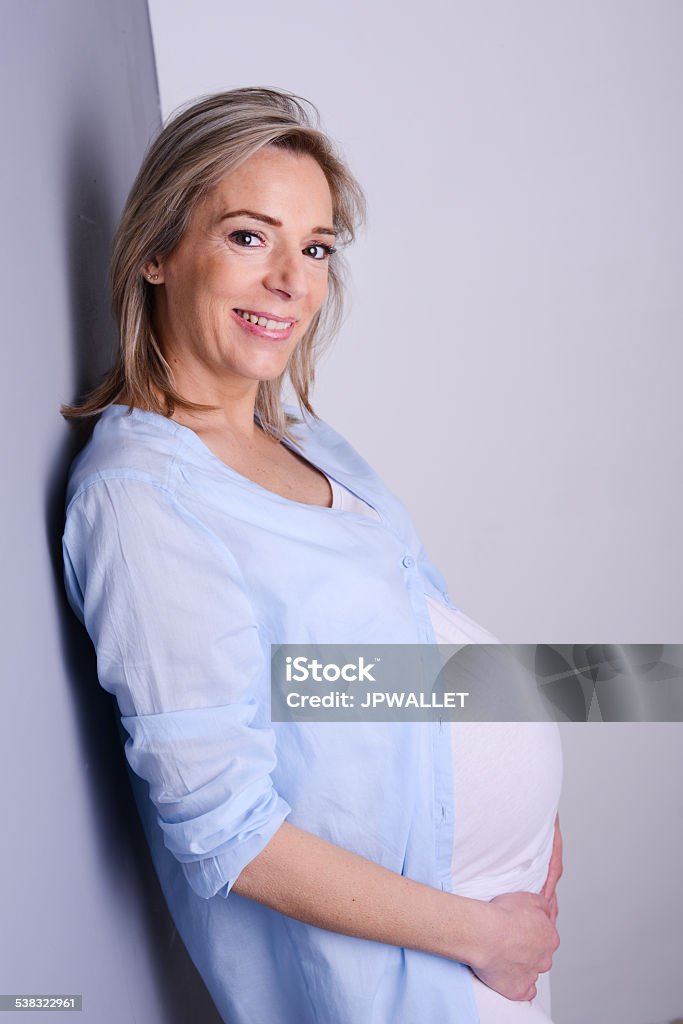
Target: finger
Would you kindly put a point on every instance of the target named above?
(549, 878)
(545, 903)
(556, 871)
(553, 911)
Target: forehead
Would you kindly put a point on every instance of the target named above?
(278, 178)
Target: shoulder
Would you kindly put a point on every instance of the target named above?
(126, 447)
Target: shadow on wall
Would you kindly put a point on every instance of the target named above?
(122, 848)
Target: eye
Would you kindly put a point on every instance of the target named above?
(248, 237)
(327, 250)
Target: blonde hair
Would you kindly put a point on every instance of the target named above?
(200, 144)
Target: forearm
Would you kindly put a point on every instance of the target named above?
(312, 880)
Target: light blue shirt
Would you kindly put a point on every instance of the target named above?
(184, 572)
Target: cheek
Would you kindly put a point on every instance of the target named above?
(222, 279)
(320, 288)
(222, 273)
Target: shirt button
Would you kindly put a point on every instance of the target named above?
(408, 561)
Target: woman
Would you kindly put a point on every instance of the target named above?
(307, 866)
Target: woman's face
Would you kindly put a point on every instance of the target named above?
(257, 245)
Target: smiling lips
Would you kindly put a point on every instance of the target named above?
(265, 325)
(269, 322)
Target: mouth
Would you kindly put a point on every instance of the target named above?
(267, 320)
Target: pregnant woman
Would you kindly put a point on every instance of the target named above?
(318, 873)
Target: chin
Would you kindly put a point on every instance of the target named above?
(264, 373)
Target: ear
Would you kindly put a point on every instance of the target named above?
(153, 271)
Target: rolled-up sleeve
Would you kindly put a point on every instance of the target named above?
(178, 645)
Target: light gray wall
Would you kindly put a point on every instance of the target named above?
(81, 911)
(517, 312)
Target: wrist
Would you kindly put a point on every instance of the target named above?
(470, 925)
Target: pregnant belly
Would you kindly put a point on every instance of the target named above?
(507, 781)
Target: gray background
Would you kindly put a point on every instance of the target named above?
(516, 316)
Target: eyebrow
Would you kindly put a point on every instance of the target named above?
(321, 230)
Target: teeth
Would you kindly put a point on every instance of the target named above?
(262, 321)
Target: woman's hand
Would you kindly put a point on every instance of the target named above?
(516, 945)
(527, 928)
(554, 872)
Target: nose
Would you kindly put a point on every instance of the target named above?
(286, 273)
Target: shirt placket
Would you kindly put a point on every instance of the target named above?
(443, 797)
